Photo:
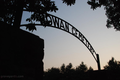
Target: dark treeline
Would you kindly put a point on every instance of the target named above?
(67, 72)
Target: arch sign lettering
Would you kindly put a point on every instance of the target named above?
(61, 24)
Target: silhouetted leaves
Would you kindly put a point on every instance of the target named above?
(38, 7)
(81, 72)
(69, 66)
(112, 65)
(82, 67)
(112, 8)
(62, 68)
(31, 27)
(90, 69)
(69, 2)
(52, 74)
(67, 72)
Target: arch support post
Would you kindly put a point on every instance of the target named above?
(98, 62)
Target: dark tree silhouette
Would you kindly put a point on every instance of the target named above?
(112, 65)
(68, 69)
(112, 8)
(62, 68)
(90, 69)
(69, 2)
(67, 72)
(52, 74)
(111, 72)
(11, 10)
(82, 67)
(69, 66)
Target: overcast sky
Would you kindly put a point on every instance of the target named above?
(62, 47)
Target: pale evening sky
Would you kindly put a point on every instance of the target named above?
(62, 47)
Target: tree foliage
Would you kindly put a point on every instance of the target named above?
(48, 75)
(62, 68)
(112, 8)
(112, 65)
(9, 8)
(69, 2)
(39, 8)
(67, 72)
(82, 67)
(90, 69)
(82, 72)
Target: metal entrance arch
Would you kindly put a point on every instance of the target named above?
(56, 22)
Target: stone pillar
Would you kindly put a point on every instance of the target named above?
(21, 54)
